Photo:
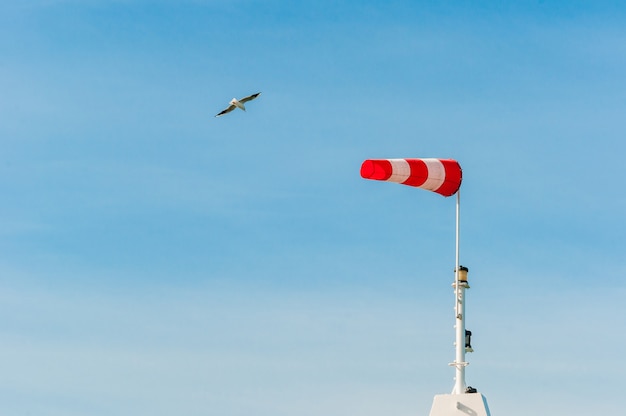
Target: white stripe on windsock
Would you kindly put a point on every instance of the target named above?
(436, 174)
(401, 171)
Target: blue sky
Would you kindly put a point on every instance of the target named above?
(157, 260)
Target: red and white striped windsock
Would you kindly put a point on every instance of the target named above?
(442, 176)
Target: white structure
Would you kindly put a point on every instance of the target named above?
(472, 404)
(463, 400)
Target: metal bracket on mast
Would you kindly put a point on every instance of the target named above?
(459, 365)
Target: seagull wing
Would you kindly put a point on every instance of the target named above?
(249, 97)
(226, 110)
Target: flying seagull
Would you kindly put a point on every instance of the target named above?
(238, 103)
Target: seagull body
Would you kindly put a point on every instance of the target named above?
(238, 103)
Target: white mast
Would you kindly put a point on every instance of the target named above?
(460, 284)
(462, 400)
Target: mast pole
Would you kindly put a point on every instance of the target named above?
(459, 288)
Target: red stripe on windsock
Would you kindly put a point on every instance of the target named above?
(419, 173)
(377, 169)
(442, 176)
(454, 177)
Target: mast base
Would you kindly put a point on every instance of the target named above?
(474, 404)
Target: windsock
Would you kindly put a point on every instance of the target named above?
(442, 176)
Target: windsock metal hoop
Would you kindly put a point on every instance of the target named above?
(442, 176)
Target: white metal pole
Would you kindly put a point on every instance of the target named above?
(459, 362)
